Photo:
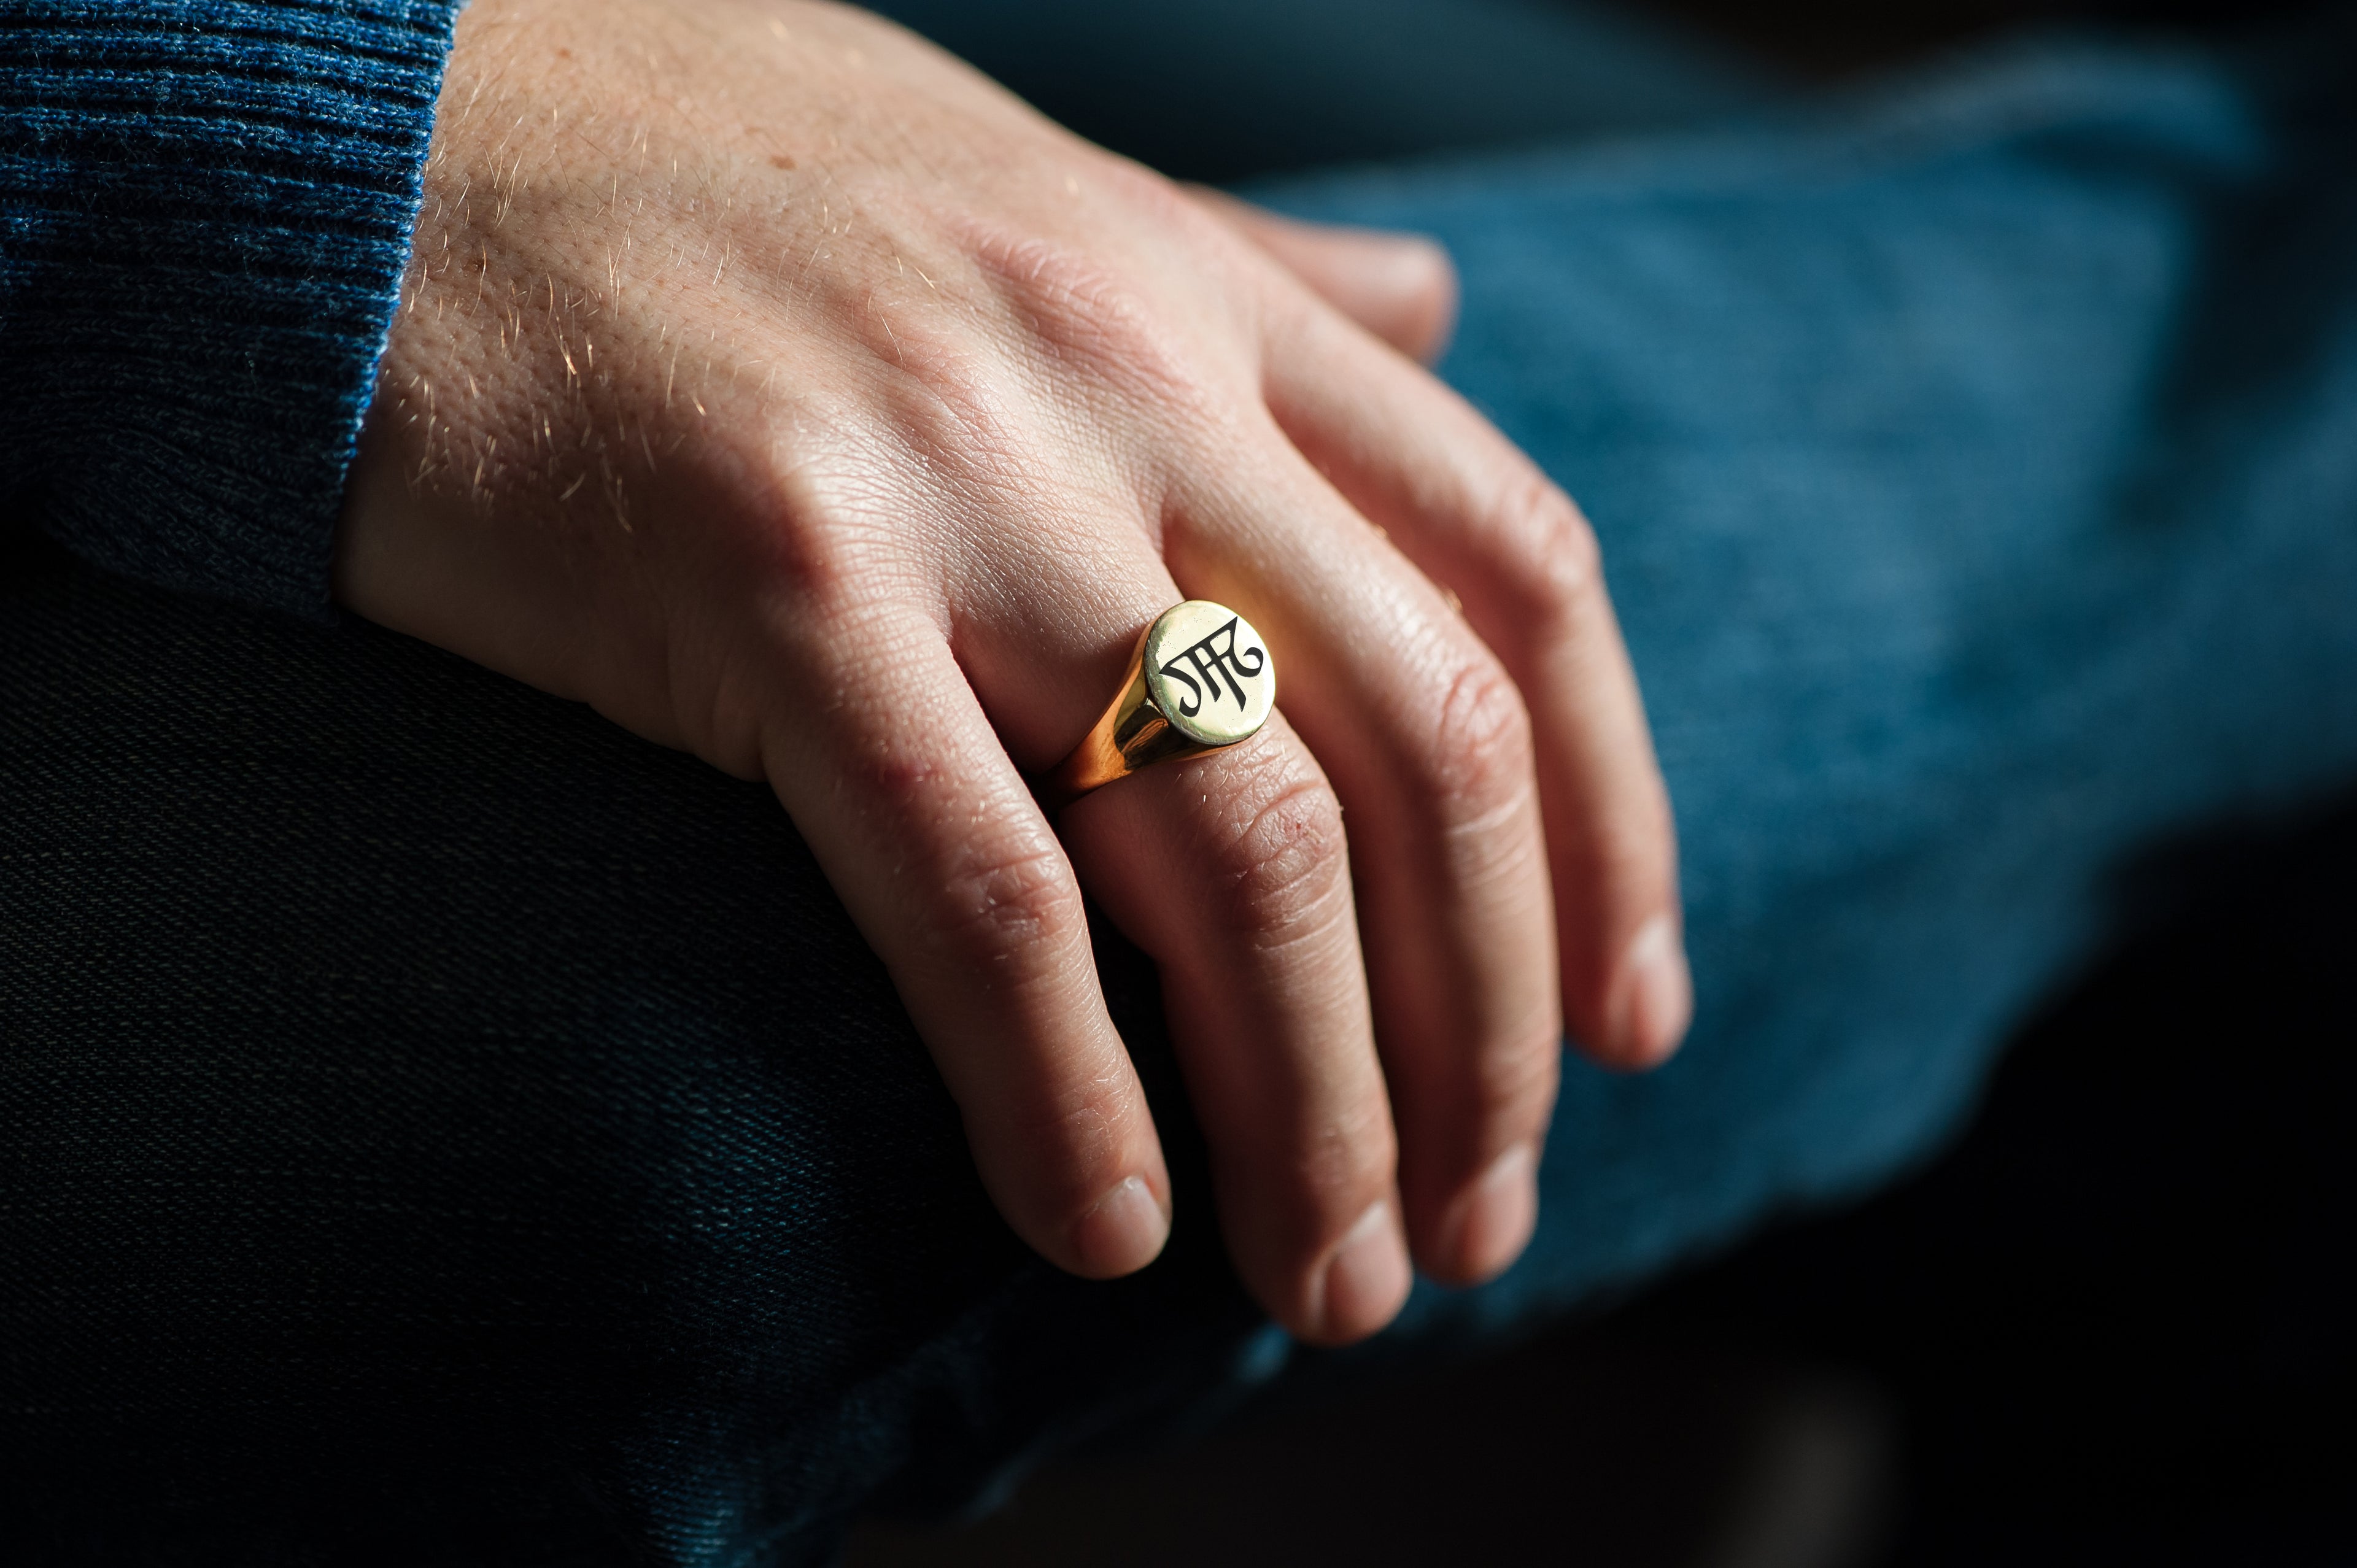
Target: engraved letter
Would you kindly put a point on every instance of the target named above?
(1211, 662)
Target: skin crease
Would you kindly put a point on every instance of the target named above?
(782, 389)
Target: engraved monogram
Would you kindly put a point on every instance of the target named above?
(1212, 659)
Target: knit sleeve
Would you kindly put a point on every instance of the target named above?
(205, 210)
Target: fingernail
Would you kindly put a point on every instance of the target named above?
(1123, 1233)
(1492, 1220)
(1367, 1278)
(1657, 991)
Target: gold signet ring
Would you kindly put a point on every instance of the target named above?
(1200, 678)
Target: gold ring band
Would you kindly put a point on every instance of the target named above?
(1200, 678)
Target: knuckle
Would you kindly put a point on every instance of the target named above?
(1285, 861)
(1323, 1172)
(823, 535)
(1629, 855)
(1480, 760)
(813, 564)
(952, 406)
(1148, 194)
(1083, 1125)
(1549, 546)
(1353, 1164)
(1515, 1086)
(1093, 324)
(1004, 905)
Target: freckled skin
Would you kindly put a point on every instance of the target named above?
(797, 398)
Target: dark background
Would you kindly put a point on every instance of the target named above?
(1837, 38)
(2112, 1325)
(1232, 90)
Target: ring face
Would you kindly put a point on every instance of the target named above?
(1199, 678)
(1209, 672)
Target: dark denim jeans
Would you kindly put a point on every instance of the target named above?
(435, 1127)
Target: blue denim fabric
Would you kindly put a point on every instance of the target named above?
(436, 1126)
(1977, 480)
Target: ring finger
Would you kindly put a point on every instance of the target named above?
(1232, 870)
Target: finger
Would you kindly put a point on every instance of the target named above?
(1233, 871)
(946, 863)
(1480, 519)
(1401, 287)
(1428, 747)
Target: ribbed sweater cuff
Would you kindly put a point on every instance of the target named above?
(205, 210)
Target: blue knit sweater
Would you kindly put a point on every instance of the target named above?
(205, 208)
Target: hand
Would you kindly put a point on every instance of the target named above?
(790, 393)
